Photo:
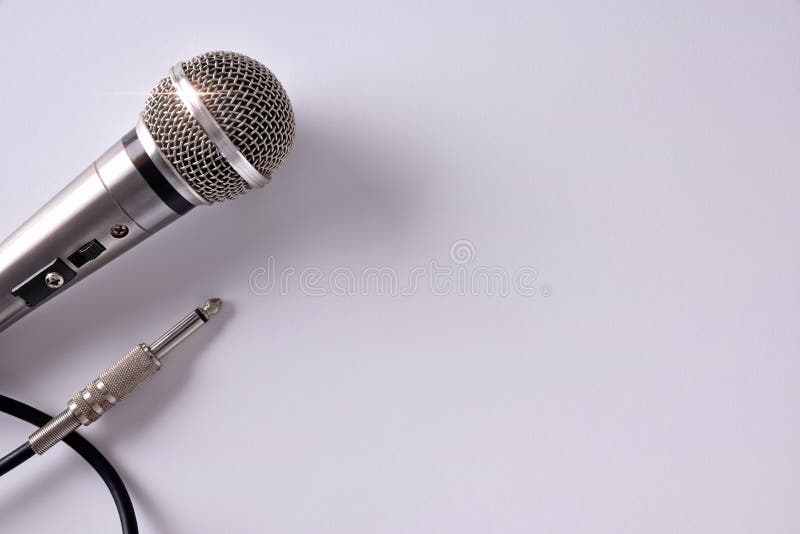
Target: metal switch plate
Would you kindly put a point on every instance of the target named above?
(35, 289)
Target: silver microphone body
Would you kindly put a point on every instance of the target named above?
(106, 210)
(209, 133)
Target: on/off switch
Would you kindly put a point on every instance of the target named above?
(86, 253)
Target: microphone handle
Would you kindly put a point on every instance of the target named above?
(119, 201)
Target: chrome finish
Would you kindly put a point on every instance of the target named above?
(54, 280)
(220, 130)
(109, 193)
(118, 381)
(188, 95)
(185, 327)
(244, 100)
(118, 231)
(211, 307)
(134, 196)
(101, 386)
(93, 402)
(165, 167)
(53, 432)
(75, 410)
(82, 211)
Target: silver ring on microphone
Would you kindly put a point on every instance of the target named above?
(188, 95)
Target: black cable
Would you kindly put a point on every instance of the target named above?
(15, 458)
(86, 450)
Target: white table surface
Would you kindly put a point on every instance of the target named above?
(640, 157)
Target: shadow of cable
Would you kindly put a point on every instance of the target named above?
(146, 507)
(23, 500)
(342, 185)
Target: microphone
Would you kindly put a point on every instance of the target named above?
(215, 128)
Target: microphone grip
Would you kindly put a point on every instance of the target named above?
(108, 209)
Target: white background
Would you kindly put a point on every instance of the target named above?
(642, 156)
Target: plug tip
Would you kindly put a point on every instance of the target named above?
(211, 307)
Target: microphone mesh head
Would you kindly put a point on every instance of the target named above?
(249, 104)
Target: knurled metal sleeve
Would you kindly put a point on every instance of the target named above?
(54, 431)
(126, 375)
(99, 396)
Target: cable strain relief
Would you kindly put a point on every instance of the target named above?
(54, 431)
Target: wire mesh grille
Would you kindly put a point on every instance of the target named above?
(249, 104)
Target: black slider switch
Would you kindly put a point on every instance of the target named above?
(86, 253)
